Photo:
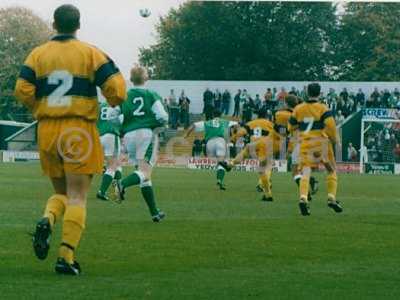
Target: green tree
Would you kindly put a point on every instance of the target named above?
(20, 31)
(244, 40)
(368, 42)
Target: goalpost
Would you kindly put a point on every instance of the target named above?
(379, 137)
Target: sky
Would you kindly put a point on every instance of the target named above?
(114, 26)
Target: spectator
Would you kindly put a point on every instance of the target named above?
(351, 153)
(331, 96)
(360, 98)
(347, 108)
(293, 91)
(339, 118)
(257, 102)
(184, 104)
(208, 107)
(244, 97)
(392, 100)
(174, 110)
(268, 95)
(218, 100)
(275, 95)
(226, 102)
(374, 98)
(344, 95)
(385, 99)
(398, 104)
(353, 102)
(166, 105)
(247, 115)
(172, 97)
(269, 100)
(332, 104)
(236, 111)
(340, 104)
(281, 97)
(303, 93)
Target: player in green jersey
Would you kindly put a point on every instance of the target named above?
(109, 124)
(216, 131)
(143, 113)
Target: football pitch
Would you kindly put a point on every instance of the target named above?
(213, 244)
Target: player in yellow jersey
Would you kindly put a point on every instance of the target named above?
(281, 124)
(261, 133)
(317, 137)
(58, 84)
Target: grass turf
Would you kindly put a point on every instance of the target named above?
(213, 244)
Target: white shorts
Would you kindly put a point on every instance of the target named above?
(111, 145)
(142, 144)
(216, 147)
(296, 154)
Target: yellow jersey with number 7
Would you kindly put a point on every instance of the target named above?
(59, 79)
(313, 120)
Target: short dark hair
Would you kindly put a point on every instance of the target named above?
(217, 113)
(292, 101)
(313, 90)
(67, 18)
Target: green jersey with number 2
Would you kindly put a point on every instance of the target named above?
(216, 128)
(137, 110)
(108, 121)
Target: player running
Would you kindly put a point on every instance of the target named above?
(109, 124)
(281, 124)
(216, 131)
(143, 112)
(261, 147)
(58, 84)
(317, 137)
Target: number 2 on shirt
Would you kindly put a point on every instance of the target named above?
(57, 98)
(138, 111)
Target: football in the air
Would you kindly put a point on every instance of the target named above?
(144, 12)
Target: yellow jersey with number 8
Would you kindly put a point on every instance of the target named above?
(259, 128)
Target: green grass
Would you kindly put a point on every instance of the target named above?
(213, 245)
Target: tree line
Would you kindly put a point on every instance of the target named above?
(277, 41)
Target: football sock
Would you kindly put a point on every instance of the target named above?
(220, 174)
(331, 184)
(55, 208)
(118, 174)
(312, 180)
(304, 187)
(108, 177)
(74, 223)
(297, 179)
(148, 195)
(134, 179)
(266, 183)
